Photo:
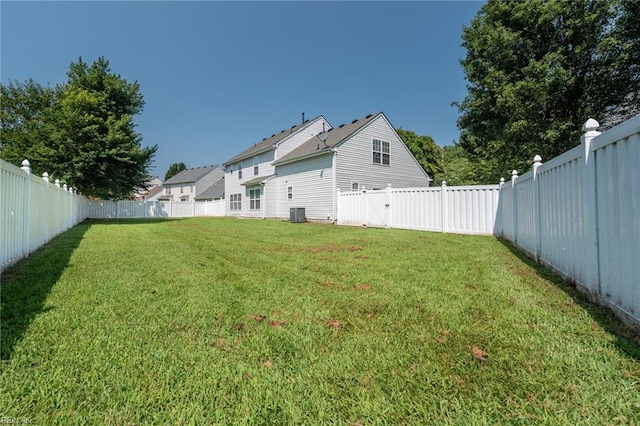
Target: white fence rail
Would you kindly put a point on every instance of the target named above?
(456, 209)
(125, 209)
(33, 211)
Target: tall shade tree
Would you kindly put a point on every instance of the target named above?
(537, 70)
(25, 121)
(81, 132)
(174, 169)
(424, 149)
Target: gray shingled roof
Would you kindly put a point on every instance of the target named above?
(190, 175)
(213, 192)
(267, 143)
(323, 142)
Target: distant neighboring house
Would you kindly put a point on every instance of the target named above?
(153, 194)
(189, 184)
(249, 175)
(155, 185)
(367, 153)
(214, 192)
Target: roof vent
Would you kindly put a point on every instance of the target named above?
(341, 126)
(354, 121)
(281, 131)
(369, 116)
(293, 127)
(306, 121)
(330, 129)
(264, 139)
(273, 135)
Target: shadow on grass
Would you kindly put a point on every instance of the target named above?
(627, 339)
(135, 221)
(25, 286)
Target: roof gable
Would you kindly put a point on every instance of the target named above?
(213, 192)
(324, 142)
(190, 175)
(269, 143)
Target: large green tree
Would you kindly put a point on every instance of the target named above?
(424, 149)
(537, 70)
(458, 168)
(25, 122)
(81, 132)
(174, 169)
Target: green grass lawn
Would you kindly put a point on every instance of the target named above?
(223, 321)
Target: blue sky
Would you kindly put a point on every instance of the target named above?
(218, 77)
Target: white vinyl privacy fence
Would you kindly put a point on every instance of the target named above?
(579, 213)
(456, 209)
(33, 211)
(126, 209)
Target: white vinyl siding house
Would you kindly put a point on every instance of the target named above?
(345, 158)
(310, 184)
(189, 184)
(239, 173)
(355, 160)
(240, 176)
(305, 166)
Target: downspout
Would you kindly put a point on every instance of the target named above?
(334, 185)
(264, 196)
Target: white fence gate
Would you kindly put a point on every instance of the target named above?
(462, 209)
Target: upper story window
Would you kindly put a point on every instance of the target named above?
(240, 170)
(182, 189)
(255, 170)
(192, 186)
(290, 193)
(256, 162)
(381, 152)
(355, 186)
(167, 190)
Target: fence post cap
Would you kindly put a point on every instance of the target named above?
(444, 183)
(537, 159)
(26, 166)
(514, 173)
(501, 180)
(590, 125)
